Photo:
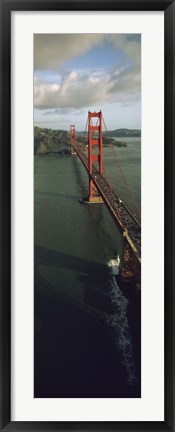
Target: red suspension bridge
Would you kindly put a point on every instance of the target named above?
(101, 191)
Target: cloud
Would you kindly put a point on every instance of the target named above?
(80, 88)
(52, 50)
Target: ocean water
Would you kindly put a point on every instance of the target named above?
(87, 332)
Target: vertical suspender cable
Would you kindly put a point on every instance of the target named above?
(123, 176)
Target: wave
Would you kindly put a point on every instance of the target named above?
(120, 329)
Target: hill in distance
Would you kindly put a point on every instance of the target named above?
(51, 141)
(120, 133)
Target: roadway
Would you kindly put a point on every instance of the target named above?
(122, 216)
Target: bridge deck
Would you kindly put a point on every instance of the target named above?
(122, 216)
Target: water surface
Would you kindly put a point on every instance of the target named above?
(86, 330)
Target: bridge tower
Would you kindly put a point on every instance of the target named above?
(94, 153)
(72, 140)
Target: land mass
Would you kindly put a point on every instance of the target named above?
(51, 141)
(124, 133)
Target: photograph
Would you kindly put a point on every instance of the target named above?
(87, 244)
(87, 215)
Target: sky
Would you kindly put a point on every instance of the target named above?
(77, 73)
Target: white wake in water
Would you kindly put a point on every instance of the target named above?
(121, 333)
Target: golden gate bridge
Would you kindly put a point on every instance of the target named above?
(101, 191)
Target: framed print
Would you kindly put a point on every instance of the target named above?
(86, 150)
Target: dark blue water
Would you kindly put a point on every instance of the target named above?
(87, 332)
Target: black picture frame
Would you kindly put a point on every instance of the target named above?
(6, 7)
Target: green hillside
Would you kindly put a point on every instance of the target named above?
(51, 141)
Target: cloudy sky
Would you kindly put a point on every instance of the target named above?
(75, 73)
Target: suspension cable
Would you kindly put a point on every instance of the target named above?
(108, 182)
(112, 192)
(123, 176)
(85, 131)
